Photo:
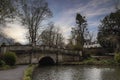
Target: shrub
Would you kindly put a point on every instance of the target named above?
(104, 62)
(90, 61)
(6, 67)
(117, 57)
(10, 58)
(2, 63)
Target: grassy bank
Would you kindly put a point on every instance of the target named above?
(6, 67)
(92, 61)
(28, 72)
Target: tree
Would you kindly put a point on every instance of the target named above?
(48, 36)
(79, 32)
(7, 14)
(109, 31)
(89, 39)
(32, 13)
(52, 37)
(70, 44)
(10, 58)
(7, 10)
(117, 4)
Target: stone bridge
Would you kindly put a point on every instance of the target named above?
(42, 54)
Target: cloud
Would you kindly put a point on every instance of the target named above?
(65, 23)
(92, 10)
(65, 31)
(16, 31)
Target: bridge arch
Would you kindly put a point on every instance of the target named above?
(47, 60)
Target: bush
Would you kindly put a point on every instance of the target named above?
(5, 67)
(10, 58)
(90, 61)
(104, 62)
(117, 57)
(2, 63)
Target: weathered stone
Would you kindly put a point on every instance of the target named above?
(58, 55)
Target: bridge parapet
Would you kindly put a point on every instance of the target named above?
(57, 54)
(39, 48)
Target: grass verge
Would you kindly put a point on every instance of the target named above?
(6, 67)
(92, 61)
(28, 72)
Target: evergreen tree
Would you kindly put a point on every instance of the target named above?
(109, 31)
(79, 32)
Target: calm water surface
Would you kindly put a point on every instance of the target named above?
(76, 73)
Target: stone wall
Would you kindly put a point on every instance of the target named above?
(58, 55)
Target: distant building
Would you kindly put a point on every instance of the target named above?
(89, 44)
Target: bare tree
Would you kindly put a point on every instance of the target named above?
(59, 38)
(33, 12)
(7, 10)
(90, 36)
(47, 36)
(52, 37)
(7, 14)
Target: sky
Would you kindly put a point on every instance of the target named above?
(64, 13)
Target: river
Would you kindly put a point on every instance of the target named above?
(77, 72)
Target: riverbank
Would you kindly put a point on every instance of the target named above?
(7, 67)
(28, 72)
(93, 61)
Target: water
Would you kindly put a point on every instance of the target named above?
(76, 73)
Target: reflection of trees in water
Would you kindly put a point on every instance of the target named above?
(76, 73)
(110, 73)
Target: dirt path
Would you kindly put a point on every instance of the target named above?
(13, 74)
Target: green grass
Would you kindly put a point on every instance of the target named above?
(28, 72)
(117, 57)
(6, 67)
(92, 61)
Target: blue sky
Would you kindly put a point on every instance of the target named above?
(64, 13)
